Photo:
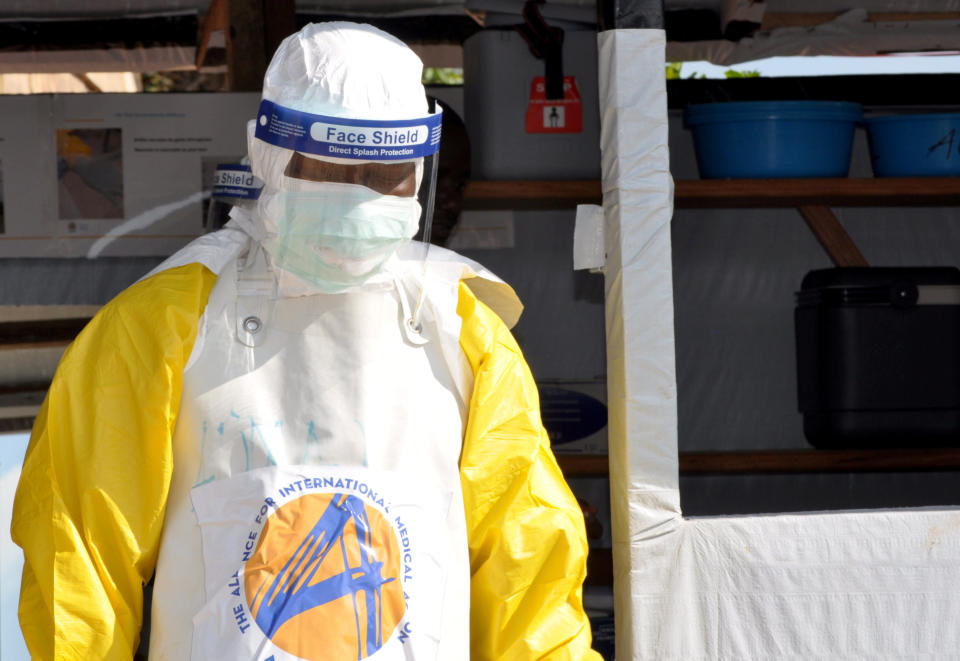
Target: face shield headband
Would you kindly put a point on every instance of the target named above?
(338, 137)
(233, 186)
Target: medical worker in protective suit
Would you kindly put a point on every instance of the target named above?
(318, 434)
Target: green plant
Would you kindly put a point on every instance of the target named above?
(732, 73)
(442, 76)
(673, 72)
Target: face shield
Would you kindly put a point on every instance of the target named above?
(233, 186)
(346, 193)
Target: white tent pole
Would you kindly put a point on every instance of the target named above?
(638, 205)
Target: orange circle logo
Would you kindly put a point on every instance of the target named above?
(324, 580)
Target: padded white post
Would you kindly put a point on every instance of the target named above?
(641, 374)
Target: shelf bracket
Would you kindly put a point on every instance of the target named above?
(832, 236)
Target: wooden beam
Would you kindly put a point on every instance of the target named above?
(216, 19)
(12, 425)
(583, 465)
(783, 193)
(40, 333)
(279, 21)
(728, 193)
(246, 48)
(832, 236)
(819, 461)
(87, 82)
(481, 194)
(256, 29)
(786, 461)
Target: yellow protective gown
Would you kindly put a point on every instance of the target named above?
(89, 509)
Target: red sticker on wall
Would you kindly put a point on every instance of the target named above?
(554, 115)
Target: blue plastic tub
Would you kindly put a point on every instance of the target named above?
(915, 145)
(773, 139)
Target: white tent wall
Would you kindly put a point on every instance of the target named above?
(850, 585)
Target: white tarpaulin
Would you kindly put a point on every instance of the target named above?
(851, 33)
(843, 585)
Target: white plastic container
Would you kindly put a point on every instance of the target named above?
(498, 70)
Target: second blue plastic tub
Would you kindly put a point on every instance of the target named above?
(773, 139)
(926, 145)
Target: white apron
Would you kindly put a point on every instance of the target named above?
(315, 509)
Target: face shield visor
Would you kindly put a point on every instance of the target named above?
(233, 186)
(343, 195)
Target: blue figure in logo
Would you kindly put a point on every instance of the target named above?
(290, 593)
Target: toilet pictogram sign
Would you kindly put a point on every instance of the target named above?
(554, 115)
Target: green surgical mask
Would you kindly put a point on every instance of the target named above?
(333, 235)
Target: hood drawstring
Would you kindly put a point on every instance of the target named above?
(412, 325)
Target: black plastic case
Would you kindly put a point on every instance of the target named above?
(878, 357)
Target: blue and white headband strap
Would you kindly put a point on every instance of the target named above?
(361, 139)
(235, 180)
